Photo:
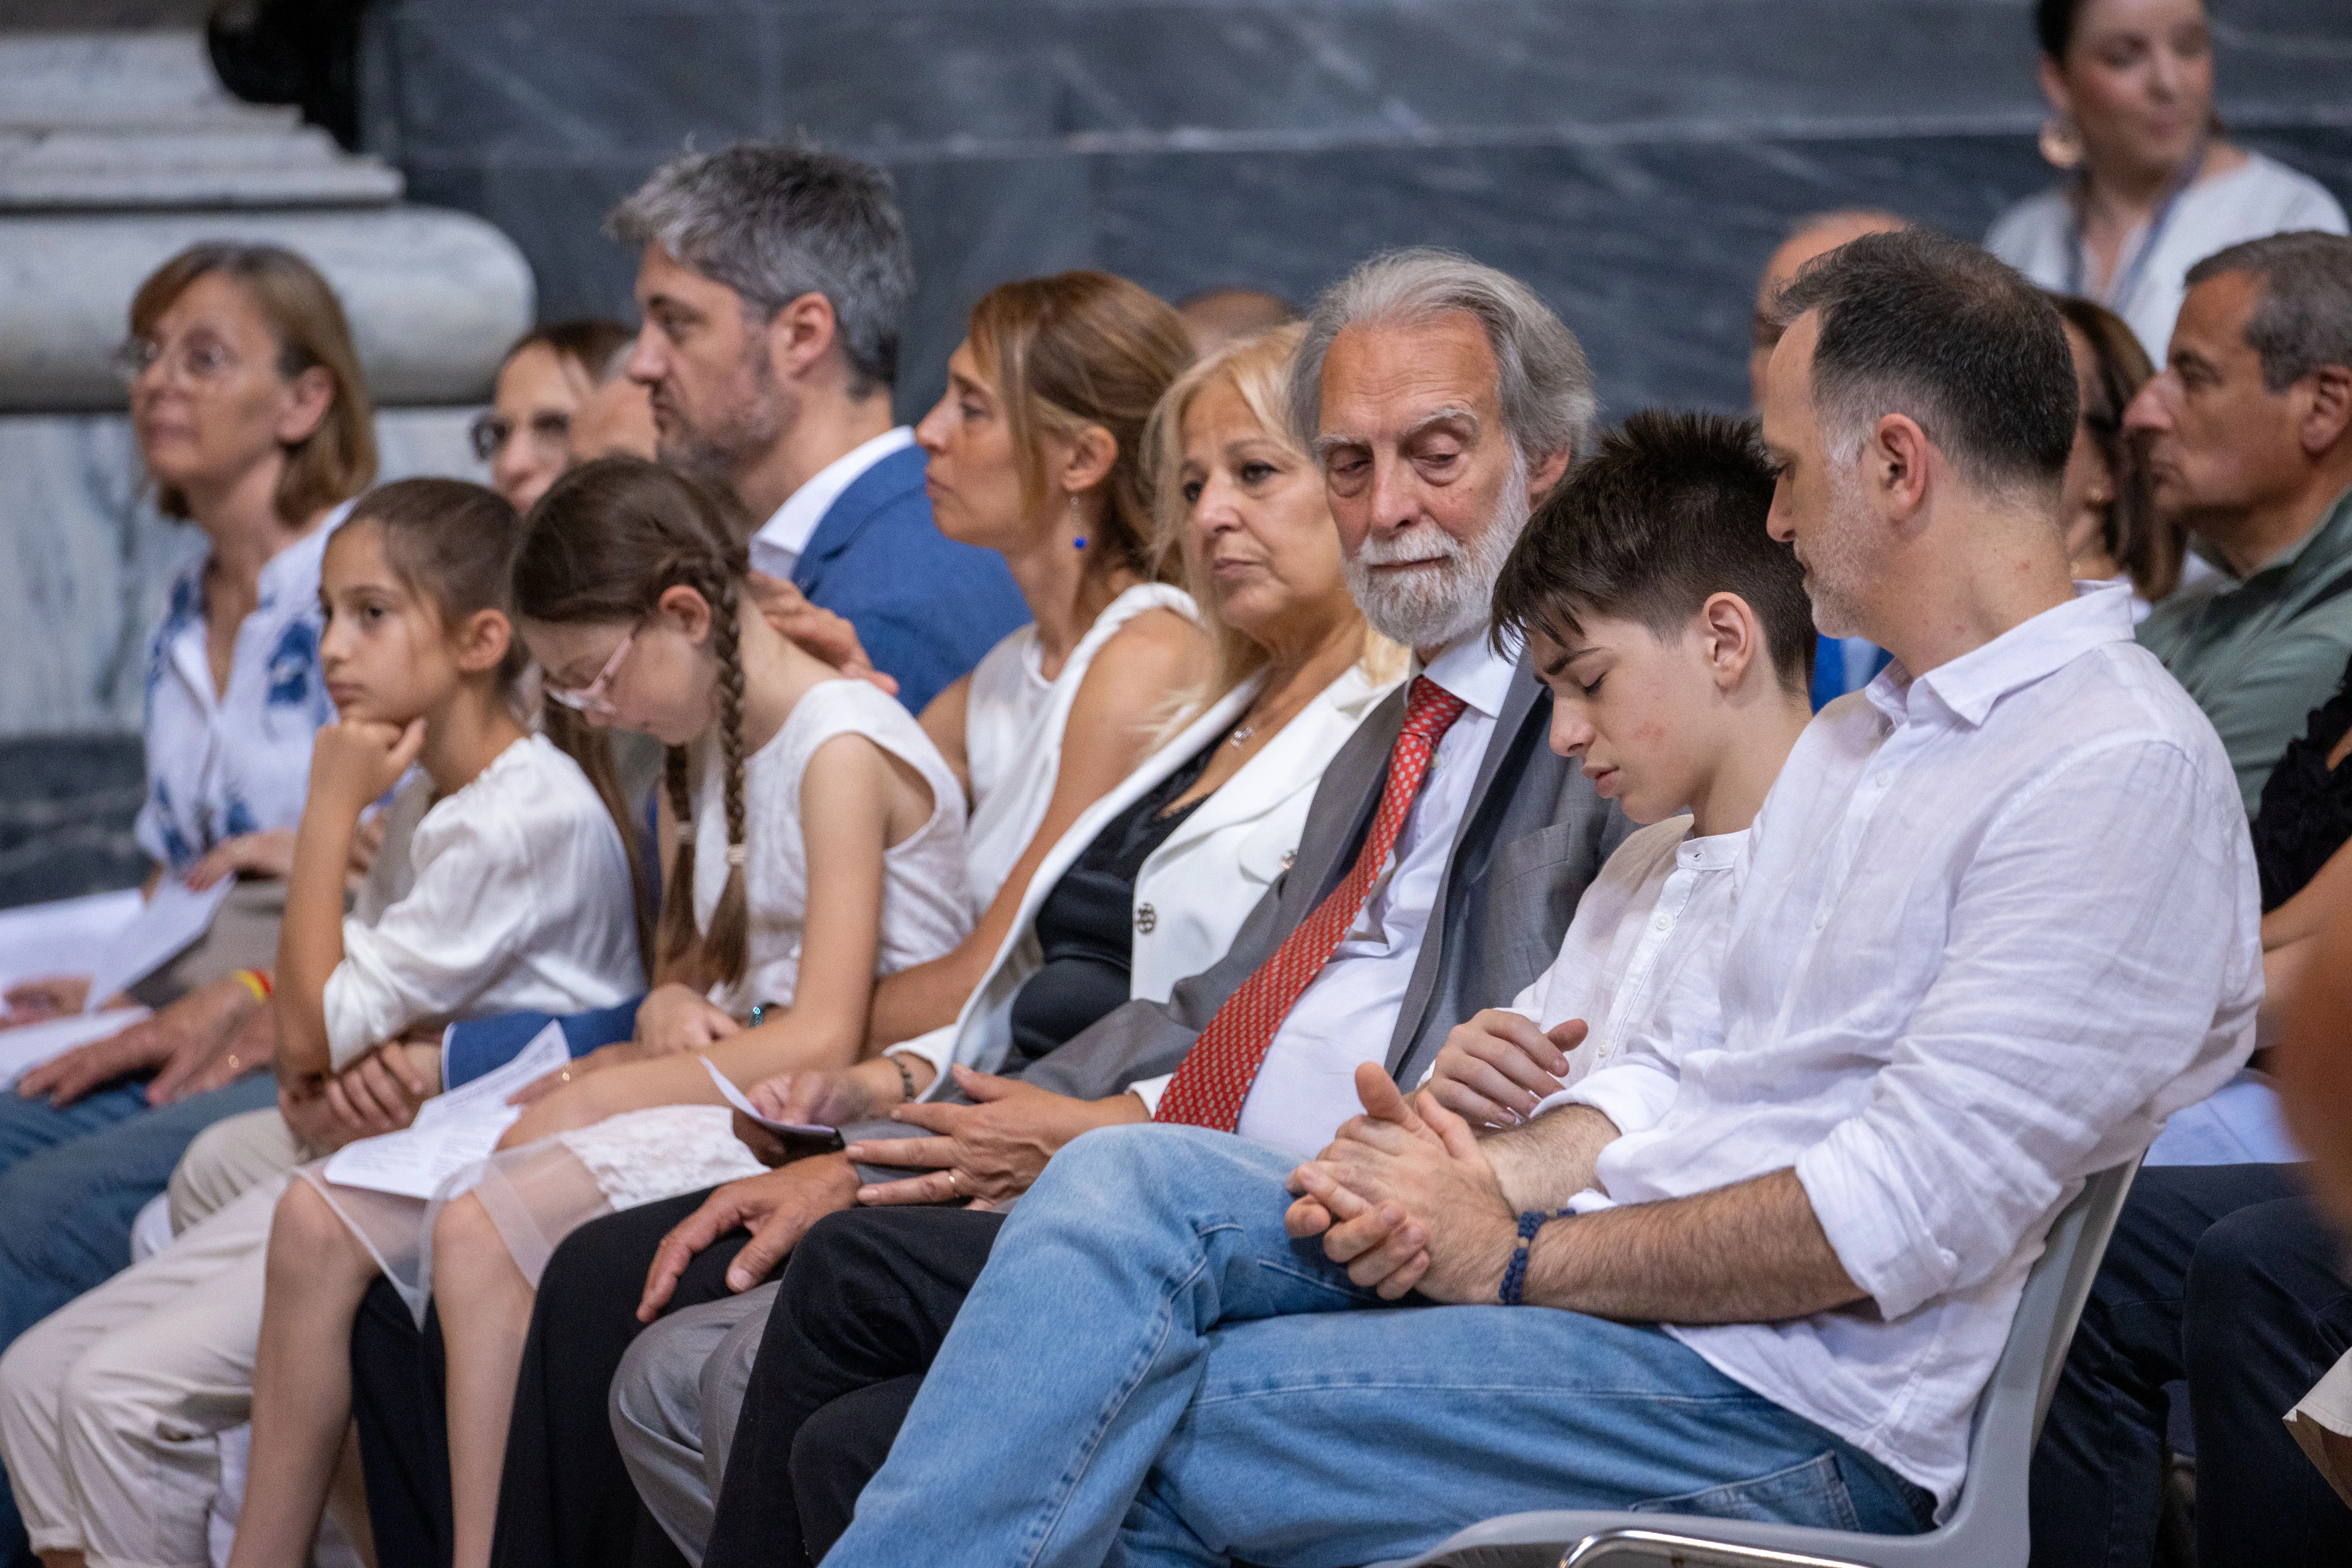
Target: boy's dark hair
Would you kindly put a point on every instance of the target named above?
(1922, 324)
(1670, 509)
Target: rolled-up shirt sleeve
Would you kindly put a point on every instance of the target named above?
(1634, 1094)
(471, 910)
(2005, 1089)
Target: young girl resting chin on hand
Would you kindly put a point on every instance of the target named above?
(503, 886)
(789, 788)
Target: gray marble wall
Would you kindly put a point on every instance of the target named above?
(1634, 159)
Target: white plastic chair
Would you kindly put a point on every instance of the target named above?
(1987, 1526)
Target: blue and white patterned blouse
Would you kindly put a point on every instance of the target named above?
(240, 764)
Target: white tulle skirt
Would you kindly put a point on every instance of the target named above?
(538, 1195)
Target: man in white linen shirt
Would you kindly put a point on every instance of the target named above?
(1800, 1232)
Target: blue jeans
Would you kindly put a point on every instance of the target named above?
(72, 1179)
(1150, 1372)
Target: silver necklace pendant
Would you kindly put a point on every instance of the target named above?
(1242, 733)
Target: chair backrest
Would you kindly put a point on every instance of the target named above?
(2009, 1415)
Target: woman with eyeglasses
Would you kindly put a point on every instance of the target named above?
(550, 374)
(254, 426)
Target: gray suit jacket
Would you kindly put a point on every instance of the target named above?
(1530, 840)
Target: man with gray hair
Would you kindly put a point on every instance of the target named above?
(772, 280)
(2250, 439)
(1759, 1263)
(1442, 857)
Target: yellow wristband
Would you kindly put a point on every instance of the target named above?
(253, 981)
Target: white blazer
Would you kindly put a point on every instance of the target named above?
(1196, 889)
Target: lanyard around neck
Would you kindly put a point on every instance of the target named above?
(2129, 273)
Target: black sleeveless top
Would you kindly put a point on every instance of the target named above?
(1085, 925)
(2306, 810)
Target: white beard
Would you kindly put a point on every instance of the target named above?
(1454, 594)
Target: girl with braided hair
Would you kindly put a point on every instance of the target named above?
(503, 885)
(789, 790)
(788, 787)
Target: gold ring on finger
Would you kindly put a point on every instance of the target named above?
(951, 1184)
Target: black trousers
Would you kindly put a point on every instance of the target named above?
(865, 1302)
(2222, 1276)
(565, 1497)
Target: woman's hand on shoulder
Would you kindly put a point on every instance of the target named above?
(354, 761)
(676, 1018)
(816, 630)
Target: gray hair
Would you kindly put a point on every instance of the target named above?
(775, 223)
(1545, 385)
(2303, 319)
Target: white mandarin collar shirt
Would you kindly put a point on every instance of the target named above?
(1348, 1014)
(784, 538)
(1643, 945)
(1996, 923)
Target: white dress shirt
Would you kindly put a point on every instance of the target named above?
(222, 764)
(1306, 1085)
(777, 548)
(1995, 925)
(1645, 944)
(512, 896)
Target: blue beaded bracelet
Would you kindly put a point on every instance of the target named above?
(1515, 1276)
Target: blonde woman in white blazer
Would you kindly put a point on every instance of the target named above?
(1296, 670)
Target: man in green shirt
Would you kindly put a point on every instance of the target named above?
(2249, 440)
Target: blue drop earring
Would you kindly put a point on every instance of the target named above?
(1077, 542)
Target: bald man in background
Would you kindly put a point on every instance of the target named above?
(1808, 238)
(1215, 317)
(1841, 664)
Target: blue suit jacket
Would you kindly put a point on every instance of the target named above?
(926, 607)
(470, 1049)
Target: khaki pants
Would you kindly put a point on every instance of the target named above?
(228, 1157)
(111, 1407)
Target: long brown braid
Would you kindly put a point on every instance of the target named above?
(607, 540)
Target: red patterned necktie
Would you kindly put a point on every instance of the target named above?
(1215, 1078)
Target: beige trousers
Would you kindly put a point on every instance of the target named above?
(111, 1408)
(227, 1158)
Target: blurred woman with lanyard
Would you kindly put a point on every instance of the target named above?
(2152, 188)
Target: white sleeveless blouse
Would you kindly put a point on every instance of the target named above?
(1012, 730)
(925, 909)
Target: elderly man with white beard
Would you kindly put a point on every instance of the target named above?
(1440, 862)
